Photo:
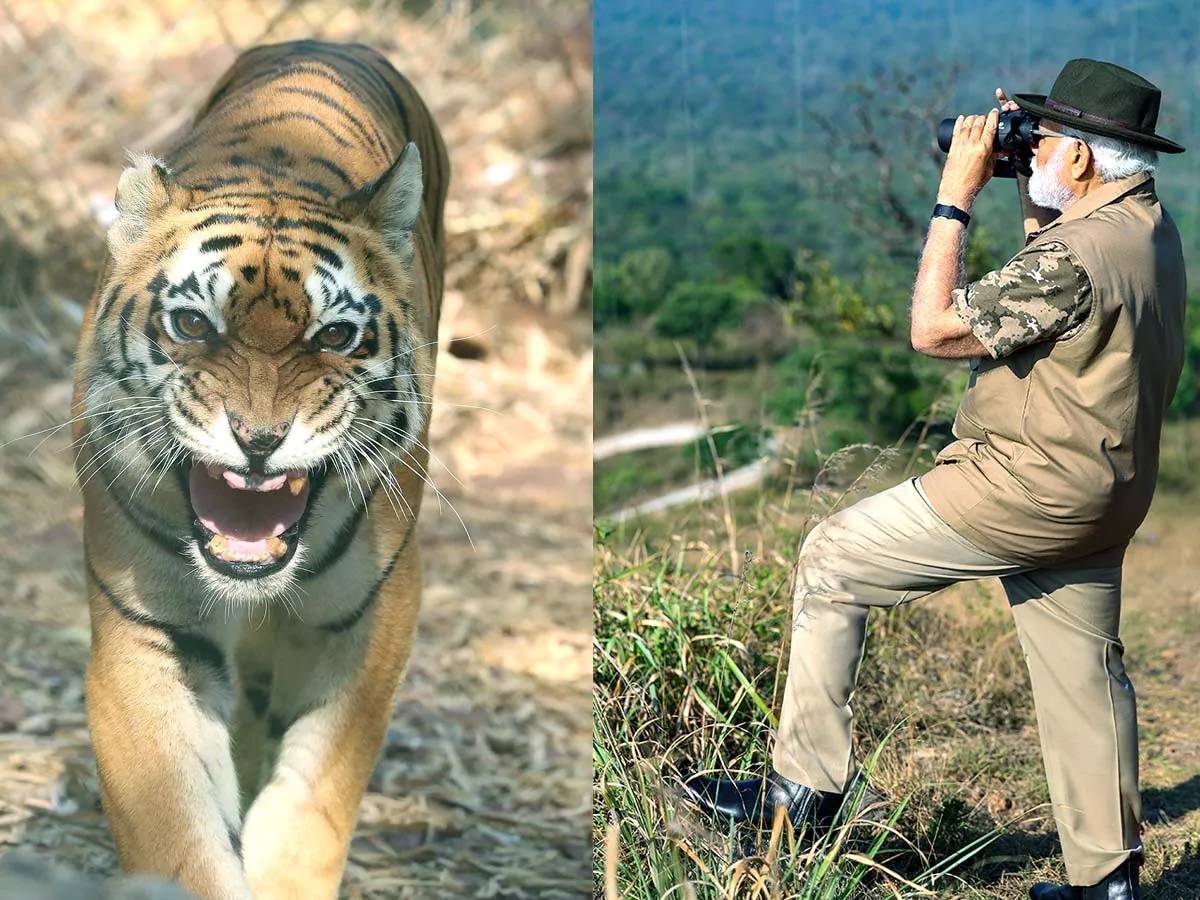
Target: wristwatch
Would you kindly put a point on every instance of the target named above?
(946, 211)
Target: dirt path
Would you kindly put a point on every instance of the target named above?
(670, 435)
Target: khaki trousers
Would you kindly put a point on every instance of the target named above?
(891, 548)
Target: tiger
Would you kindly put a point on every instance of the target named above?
(252, 398)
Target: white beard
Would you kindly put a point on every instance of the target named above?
(1046, 188)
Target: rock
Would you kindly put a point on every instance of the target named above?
(38, 724)
(24, 876)
(12, 713)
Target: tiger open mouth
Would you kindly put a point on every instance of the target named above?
(247, 526)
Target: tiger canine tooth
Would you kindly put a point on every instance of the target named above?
(296, 483)
(219, 545)
(276, 547)
(216, 473)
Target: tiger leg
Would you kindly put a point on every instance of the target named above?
(157, 703)
(329, 718)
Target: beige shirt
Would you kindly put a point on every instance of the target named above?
(1058, 432)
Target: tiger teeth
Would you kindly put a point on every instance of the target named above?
(276, 547)
(216, 473)
(219, 545)
(296, 484)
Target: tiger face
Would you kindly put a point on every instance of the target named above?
(249, 353)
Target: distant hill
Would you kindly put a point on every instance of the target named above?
(708, 112)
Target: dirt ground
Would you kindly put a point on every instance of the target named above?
(483, 788)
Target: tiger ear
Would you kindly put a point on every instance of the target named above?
(144, 191)
(391, 203)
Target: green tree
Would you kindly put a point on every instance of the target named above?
(768, 265)
(697, 312)
(635, 286)
(831, 304)
(645, 276)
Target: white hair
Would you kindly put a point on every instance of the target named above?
(1046, 186)
(1115, 159)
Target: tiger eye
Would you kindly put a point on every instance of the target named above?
(191, 325)
(336, 336)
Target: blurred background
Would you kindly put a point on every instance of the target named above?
(483, 787)
(765, 173)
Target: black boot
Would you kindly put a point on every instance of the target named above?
(754, 800)
(1121, 884)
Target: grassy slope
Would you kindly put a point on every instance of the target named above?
(688, 662)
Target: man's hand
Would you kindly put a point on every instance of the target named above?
(1006, 105)
(969, 163)
(1034, 217)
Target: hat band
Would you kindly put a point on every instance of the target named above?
(1076, 113)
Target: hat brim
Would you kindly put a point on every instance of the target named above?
(1036, 104)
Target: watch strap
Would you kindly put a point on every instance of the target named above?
(946, 211)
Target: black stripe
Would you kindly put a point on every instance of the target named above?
(350, 77)
(313, 225)
(269, 168)
(126, 320)
(327, 256)
(223, 242)
(325, 100)
(316, 187)
(302, 116)
(276, 726)
(343, 540)
(373, 79)
(188, 647)
(334, 169)
(221, 200)
(223, 219)
(110, 301)
(166, 540)
(218, 181)
(258, 698)
(345, 624)
(235, 841)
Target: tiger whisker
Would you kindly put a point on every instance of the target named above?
(385, 426)
(97, 462)
(55, 428)
(168, 454)
(131, 461)
(442, 498)
(109, 451)
(381, 470)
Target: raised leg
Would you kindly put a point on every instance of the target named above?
(887, 549)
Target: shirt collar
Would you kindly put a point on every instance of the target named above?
(1101, 197)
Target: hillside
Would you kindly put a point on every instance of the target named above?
(710, 112)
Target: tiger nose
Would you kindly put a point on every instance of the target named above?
(258, 443)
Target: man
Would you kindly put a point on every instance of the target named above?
(1076, 347)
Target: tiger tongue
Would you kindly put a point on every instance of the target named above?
(241, 515)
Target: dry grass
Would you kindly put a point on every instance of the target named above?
(690, 663)
(483, 788)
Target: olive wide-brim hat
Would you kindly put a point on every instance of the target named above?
(1102, 98)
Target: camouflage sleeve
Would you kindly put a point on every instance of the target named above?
(1039, 296)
